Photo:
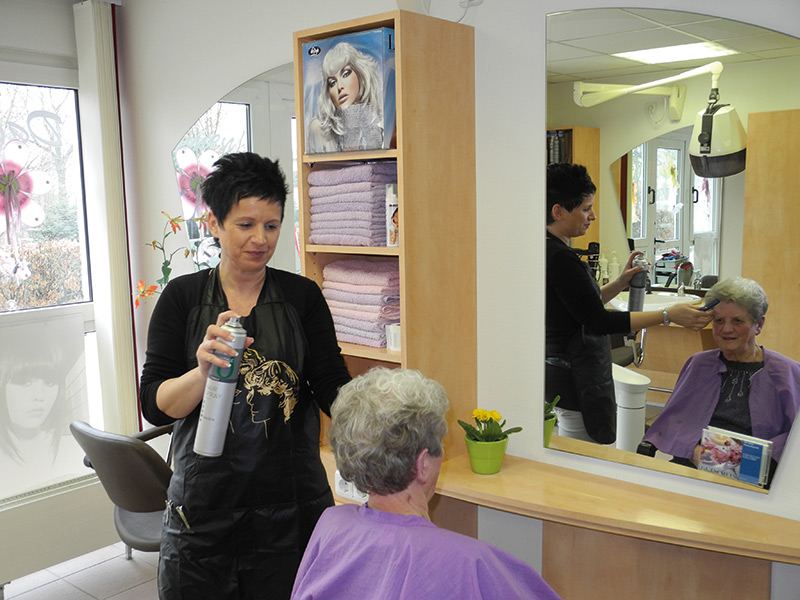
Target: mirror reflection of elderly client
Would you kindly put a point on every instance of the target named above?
(386, 433)
(741, 387)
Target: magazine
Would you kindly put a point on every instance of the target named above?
(735, 455)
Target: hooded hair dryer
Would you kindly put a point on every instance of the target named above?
(718, 144)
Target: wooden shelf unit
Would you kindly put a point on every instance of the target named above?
(435, 154)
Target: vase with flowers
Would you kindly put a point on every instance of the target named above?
(486, 440)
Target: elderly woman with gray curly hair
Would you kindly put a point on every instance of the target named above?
(386, 434)
(742, 386)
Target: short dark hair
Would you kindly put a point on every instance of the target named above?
(243, 175)
(567, 185)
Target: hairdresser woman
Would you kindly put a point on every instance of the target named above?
(578, 354)
(236, 525)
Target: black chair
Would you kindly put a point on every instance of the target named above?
(646, 448)
(134, 476)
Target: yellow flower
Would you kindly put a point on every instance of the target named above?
(496, 416)
(481, 415)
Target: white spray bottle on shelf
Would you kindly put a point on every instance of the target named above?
(613, 267)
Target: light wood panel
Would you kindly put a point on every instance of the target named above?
(771, 216)
(581, 563)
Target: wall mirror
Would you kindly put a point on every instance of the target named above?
(580, 47)
(257, 116)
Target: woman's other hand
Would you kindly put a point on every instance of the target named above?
(689, 315)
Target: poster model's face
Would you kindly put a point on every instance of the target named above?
(343, 87)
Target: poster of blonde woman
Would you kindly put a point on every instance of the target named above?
(42, 389)
(349, 92)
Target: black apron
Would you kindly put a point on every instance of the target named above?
(582, 375)
(236, 525)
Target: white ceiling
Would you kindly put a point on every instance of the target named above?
(580, 43)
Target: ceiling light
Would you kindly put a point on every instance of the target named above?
(684, 52)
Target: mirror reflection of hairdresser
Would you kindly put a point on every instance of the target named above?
(741, 387)
(578, 354)
(350, 107)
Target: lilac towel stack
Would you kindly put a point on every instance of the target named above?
(348, 204)
(364, 297)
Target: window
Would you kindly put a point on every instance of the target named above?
(43, 254)
(674, 214)
(46, 320)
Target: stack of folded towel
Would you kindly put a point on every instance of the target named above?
(348, 204)
(363, 297)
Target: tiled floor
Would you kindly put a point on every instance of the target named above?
(104, 574)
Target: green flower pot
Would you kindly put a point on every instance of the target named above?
(486, 457)
(549, 425)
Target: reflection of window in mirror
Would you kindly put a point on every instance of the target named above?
(673, 214)
(224, 128)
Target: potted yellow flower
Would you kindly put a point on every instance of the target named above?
(486, 440)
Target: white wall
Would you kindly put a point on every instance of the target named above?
(178, 57)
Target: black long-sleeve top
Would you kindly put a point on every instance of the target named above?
(573, 300)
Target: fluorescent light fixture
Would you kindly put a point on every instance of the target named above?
(684, 52)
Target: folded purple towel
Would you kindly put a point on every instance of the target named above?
(381, 314)
(338, 239)
(360, 340)
(373, 335)
(353, 173)
(322, 191)
(354, 227)
(361, 324)
(371, 196)
(344, 215)
(362, 288)
(360, 299)
(358, 207)
(362, 271)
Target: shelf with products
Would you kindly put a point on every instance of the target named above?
(434, 148)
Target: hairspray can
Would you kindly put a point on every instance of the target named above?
(215, 411)
(638, 283)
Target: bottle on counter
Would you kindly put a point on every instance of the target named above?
(613, 266)
(603, 271)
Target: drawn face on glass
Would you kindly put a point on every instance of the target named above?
(343, 87)
(30, 400)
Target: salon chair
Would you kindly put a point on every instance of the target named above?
(135, 478)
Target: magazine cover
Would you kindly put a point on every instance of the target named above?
(735, 455)
(349, 92)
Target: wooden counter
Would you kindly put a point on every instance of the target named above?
(607, 539)
(572, 497)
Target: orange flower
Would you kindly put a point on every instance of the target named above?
(144, 292)
(174, 222)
